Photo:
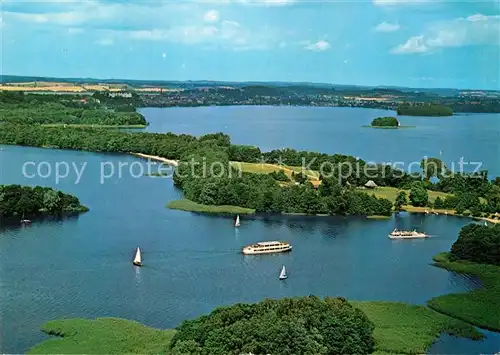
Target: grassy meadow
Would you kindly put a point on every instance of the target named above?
(103, 336)
(187, 205)
(401, 328)
(480, 307)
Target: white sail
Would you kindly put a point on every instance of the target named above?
(137, 259)
(283, 273)
(237, 223)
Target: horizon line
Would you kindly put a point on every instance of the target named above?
(68, 79)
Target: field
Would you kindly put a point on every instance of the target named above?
(264, 168)
(42, 86)
(103, 336)
(187, 205)
(480, 307)
(399, 329)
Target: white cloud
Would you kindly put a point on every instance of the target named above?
(226, 34)
(399, 2)
(105, 42)
(476, 29)
(262, 2)
(387, 27)
(414, 44)
(318, 46)
(211, 16)
(187, 23)
(75, 30)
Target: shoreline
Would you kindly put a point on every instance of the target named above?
(157, 158)
(421, 210)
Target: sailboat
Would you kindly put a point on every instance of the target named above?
(25, 221)
(137, 260)
(237, 222)
(485, 224)
(283, 274)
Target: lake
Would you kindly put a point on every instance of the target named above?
(81, 267)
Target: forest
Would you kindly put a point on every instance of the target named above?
(307, 325)
(18, 201)
(424, 109)
(18, 108)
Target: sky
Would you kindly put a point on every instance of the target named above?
(414, 43)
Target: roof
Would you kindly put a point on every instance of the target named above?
(371, 184)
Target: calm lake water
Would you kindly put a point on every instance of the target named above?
(81, 267)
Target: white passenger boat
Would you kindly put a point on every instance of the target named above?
(266, 248)
(396, 234)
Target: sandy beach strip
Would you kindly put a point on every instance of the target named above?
(157, 158)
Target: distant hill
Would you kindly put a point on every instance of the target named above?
(313, 88)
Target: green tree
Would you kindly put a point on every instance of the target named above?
(401, 200)
(438, 203)
(478, 243)
(433, 167)
(52, 201)
(418, 195)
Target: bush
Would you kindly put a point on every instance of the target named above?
(305, 325)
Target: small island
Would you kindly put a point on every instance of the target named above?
(387, 123)
(419, 109)
(19, 202)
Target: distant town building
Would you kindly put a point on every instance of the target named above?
(120, 94)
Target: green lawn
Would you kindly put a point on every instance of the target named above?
(259, 168)
(480, 307)
(187, 205)
(103, 336)
(401, 328)
(390, 193)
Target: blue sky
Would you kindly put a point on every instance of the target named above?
(425, 43)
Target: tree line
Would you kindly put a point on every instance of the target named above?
(424, 109)
(56, 113)
(19, 201)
